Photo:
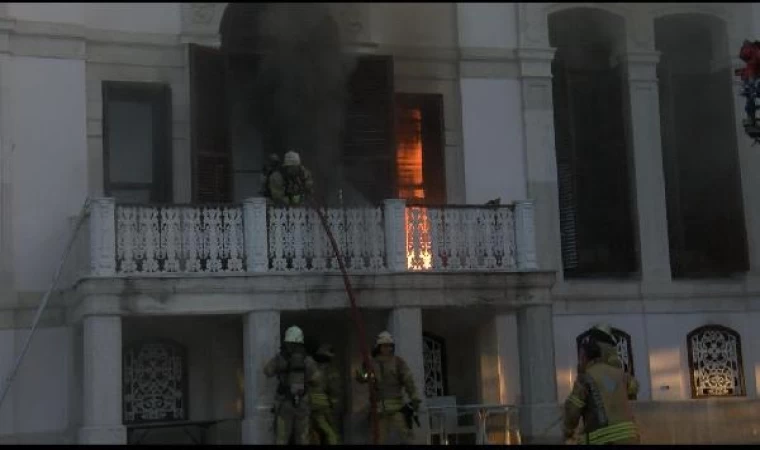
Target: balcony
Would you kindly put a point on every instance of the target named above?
(229, 259)
(147, 240)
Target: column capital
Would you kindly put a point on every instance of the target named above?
(535, 62)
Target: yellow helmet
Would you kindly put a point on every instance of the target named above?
(384, 338)
(294, 335)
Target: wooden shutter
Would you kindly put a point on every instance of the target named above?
(369, 146)
(212, 159)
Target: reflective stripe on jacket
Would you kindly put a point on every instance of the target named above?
(622, 431)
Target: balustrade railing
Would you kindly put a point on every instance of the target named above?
(256, 237)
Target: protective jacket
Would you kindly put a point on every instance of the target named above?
(392, 378)
(290, 186)
(600, 397)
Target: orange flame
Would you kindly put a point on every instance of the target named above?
(409, 173)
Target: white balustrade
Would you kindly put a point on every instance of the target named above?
(298, 242)
(256, 237)
(168, 239)
(461, 238)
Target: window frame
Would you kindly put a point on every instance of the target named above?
(444, 363)
(158, 96)
(182, 351)
(742, 385)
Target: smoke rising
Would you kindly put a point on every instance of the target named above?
(301, 89)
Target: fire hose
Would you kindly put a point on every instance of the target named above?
(358, 322)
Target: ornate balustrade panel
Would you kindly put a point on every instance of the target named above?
(457, 238)
(168, 239)
(298, 242)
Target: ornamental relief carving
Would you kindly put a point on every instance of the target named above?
(202, 17)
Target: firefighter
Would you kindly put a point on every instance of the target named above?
(392, 377)
(326, 399)
(600, 396)
(608, 346)
(296, 373)
(271, 166)
(291, 184)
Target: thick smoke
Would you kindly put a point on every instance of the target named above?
(301, 89)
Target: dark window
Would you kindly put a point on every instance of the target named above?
(369, 148)
(715, 362)
(155, 382)
(137, 142)
(420, 169)
(706, 226)
(212, 160)
(596, 217)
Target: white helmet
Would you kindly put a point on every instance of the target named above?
(294, 335)
(384, 338)
(291, 159)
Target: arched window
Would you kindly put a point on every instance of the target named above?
(624, 349)
(595, 207)
(702, 175)
(154, 382)
(715, 362)
(434, 361)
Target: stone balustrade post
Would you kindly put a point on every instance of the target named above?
(525, 236)
(255, 234)
(394, 215)
(103, 236)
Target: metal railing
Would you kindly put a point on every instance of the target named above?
(441, 418)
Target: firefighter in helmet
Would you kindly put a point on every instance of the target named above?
(296, 373)
(291, 183)
(392, 377)
(600, 394)
(608, 346)
(326, 399)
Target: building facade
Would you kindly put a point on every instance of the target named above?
(610, 132)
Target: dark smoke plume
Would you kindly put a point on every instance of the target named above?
(301, 89)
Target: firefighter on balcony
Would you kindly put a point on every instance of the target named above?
(392, 377)
(750, 54)
(296, 373)
(290, 184)
(326, 399)
(600, 396)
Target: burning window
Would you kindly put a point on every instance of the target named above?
(419, 168)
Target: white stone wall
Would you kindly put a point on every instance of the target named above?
(659, 348)
(40, 400)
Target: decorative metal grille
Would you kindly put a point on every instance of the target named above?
(155, 382)
(433, 356)
(715, 362)
(624, 348)
(179, 239)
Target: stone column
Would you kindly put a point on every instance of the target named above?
(538, 115)
(648, 175)
(261, 342)
(539, 411)
(499, 361)
(405, 324)
(102, 375)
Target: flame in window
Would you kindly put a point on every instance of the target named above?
(410, 184)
